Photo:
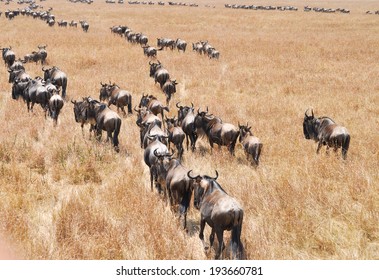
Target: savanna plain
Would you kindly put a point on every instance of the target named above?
(64, 195)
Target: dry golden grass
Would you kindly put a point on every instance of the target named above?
(65, 196)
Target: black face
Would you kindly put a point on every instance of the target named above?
(308, 127)
(198, 193)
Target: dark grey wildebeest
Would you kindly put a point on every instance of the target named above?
(106, 120)
(36, 92)
(165, 43)
(223, 134)
(8, 56)
(186, 119)
(159, 73)
(116, 96)
(252, 146)
(57, 77)
(173, 175)
(180, 45)
(56, 103)
(19, 75)
(326, 132)
(220, 211)
(149, 51)
(85, 25)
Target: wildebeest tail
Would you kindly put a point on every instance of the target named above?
(258, 153)
(130, 105)
(237, 247)
(116, 133)
(345, 145)
(234, 141)
(64, 87)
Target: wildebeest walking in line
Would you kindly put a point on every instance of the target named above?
(159, 73)
(83, 115)
(220, 211)
(116, 96)
(251, 144)
(186, 119)
(8, 56)
(326, 132)
(84, 24)
(57, 78)
(56, 103)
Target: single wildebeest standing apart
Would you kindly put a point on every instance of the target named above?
(55, 105)
(251, 144)
(178, 185)
(220, 211)
(57, 77)
(106, 120)
(116, 96)
(326, 132)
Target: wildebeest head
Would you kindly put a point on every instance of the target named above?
(309, 126)
(200, 185)
(244, 130)
(183, 111)
(154, 67)
(104, 91)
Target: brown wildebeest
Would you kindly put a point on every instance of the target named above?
(83, 115)
(223, 134)
(326, 132)
(153, 105)
(179, 186)
(159, 73)
(220, 211)
(169, 88)
(116, 96)
(251, 144)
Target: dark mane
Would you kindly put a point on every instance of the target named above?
(214, 183)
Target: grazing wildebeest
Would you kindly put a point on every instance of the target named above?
(57, 77)
(251, 144)
(85, 25)
(73, 23)
(220, 211)
(62, 23)
(83, 115)
(176, 135)
(116, 96)
(173, 175)
(169, 88)
(326, 132)
(55, 105)
(106, 120)
(20, 75)
(159, 73)
(181, 45)
(153, 105)
(156, 146)
(8, 56)
(223, 134)
(186, 119)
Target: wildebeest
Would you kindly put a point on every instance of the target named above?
(73, 23)
(153, 128)
(186, 119)
(55, 105)
(326, 132)
(142, 39)
(149, 51)
(197, 47)
(177, 183)
(181, 45)
(223, 134)
(159, 73)
(153, 105)
(62, 23)
(156, 146)
(83, 115)
(169, 88)
(85, 25)
(106, 120)
(20, 75)
(8, 56)
(18, 88)
(57, 77)
(17, 65)
(251, 144)
(220, 211)
(165, 43)
(116, 96)
(40, 55)
(36, 92)
(176, 135)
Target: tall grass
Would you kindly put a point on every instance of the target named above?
(66, 196)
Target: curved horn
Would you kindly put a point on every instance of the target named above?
(43, 69)
(192, 105)
(73, 102)
(215, 178)
(198, 111)
(101, 83)
(150, 62)
(306, 112)
(136, 110)
(313, 114)
(189, 176)
(155, 153)
(177, 105)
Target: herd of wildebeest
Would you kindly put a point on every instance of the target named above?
(159, 133)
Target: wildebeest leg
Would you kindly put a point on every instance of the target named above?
(211, 238)
(319, 147)
(151, 178)
(187, 141)
(201, 233)
(220, 238)
(123, 110)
